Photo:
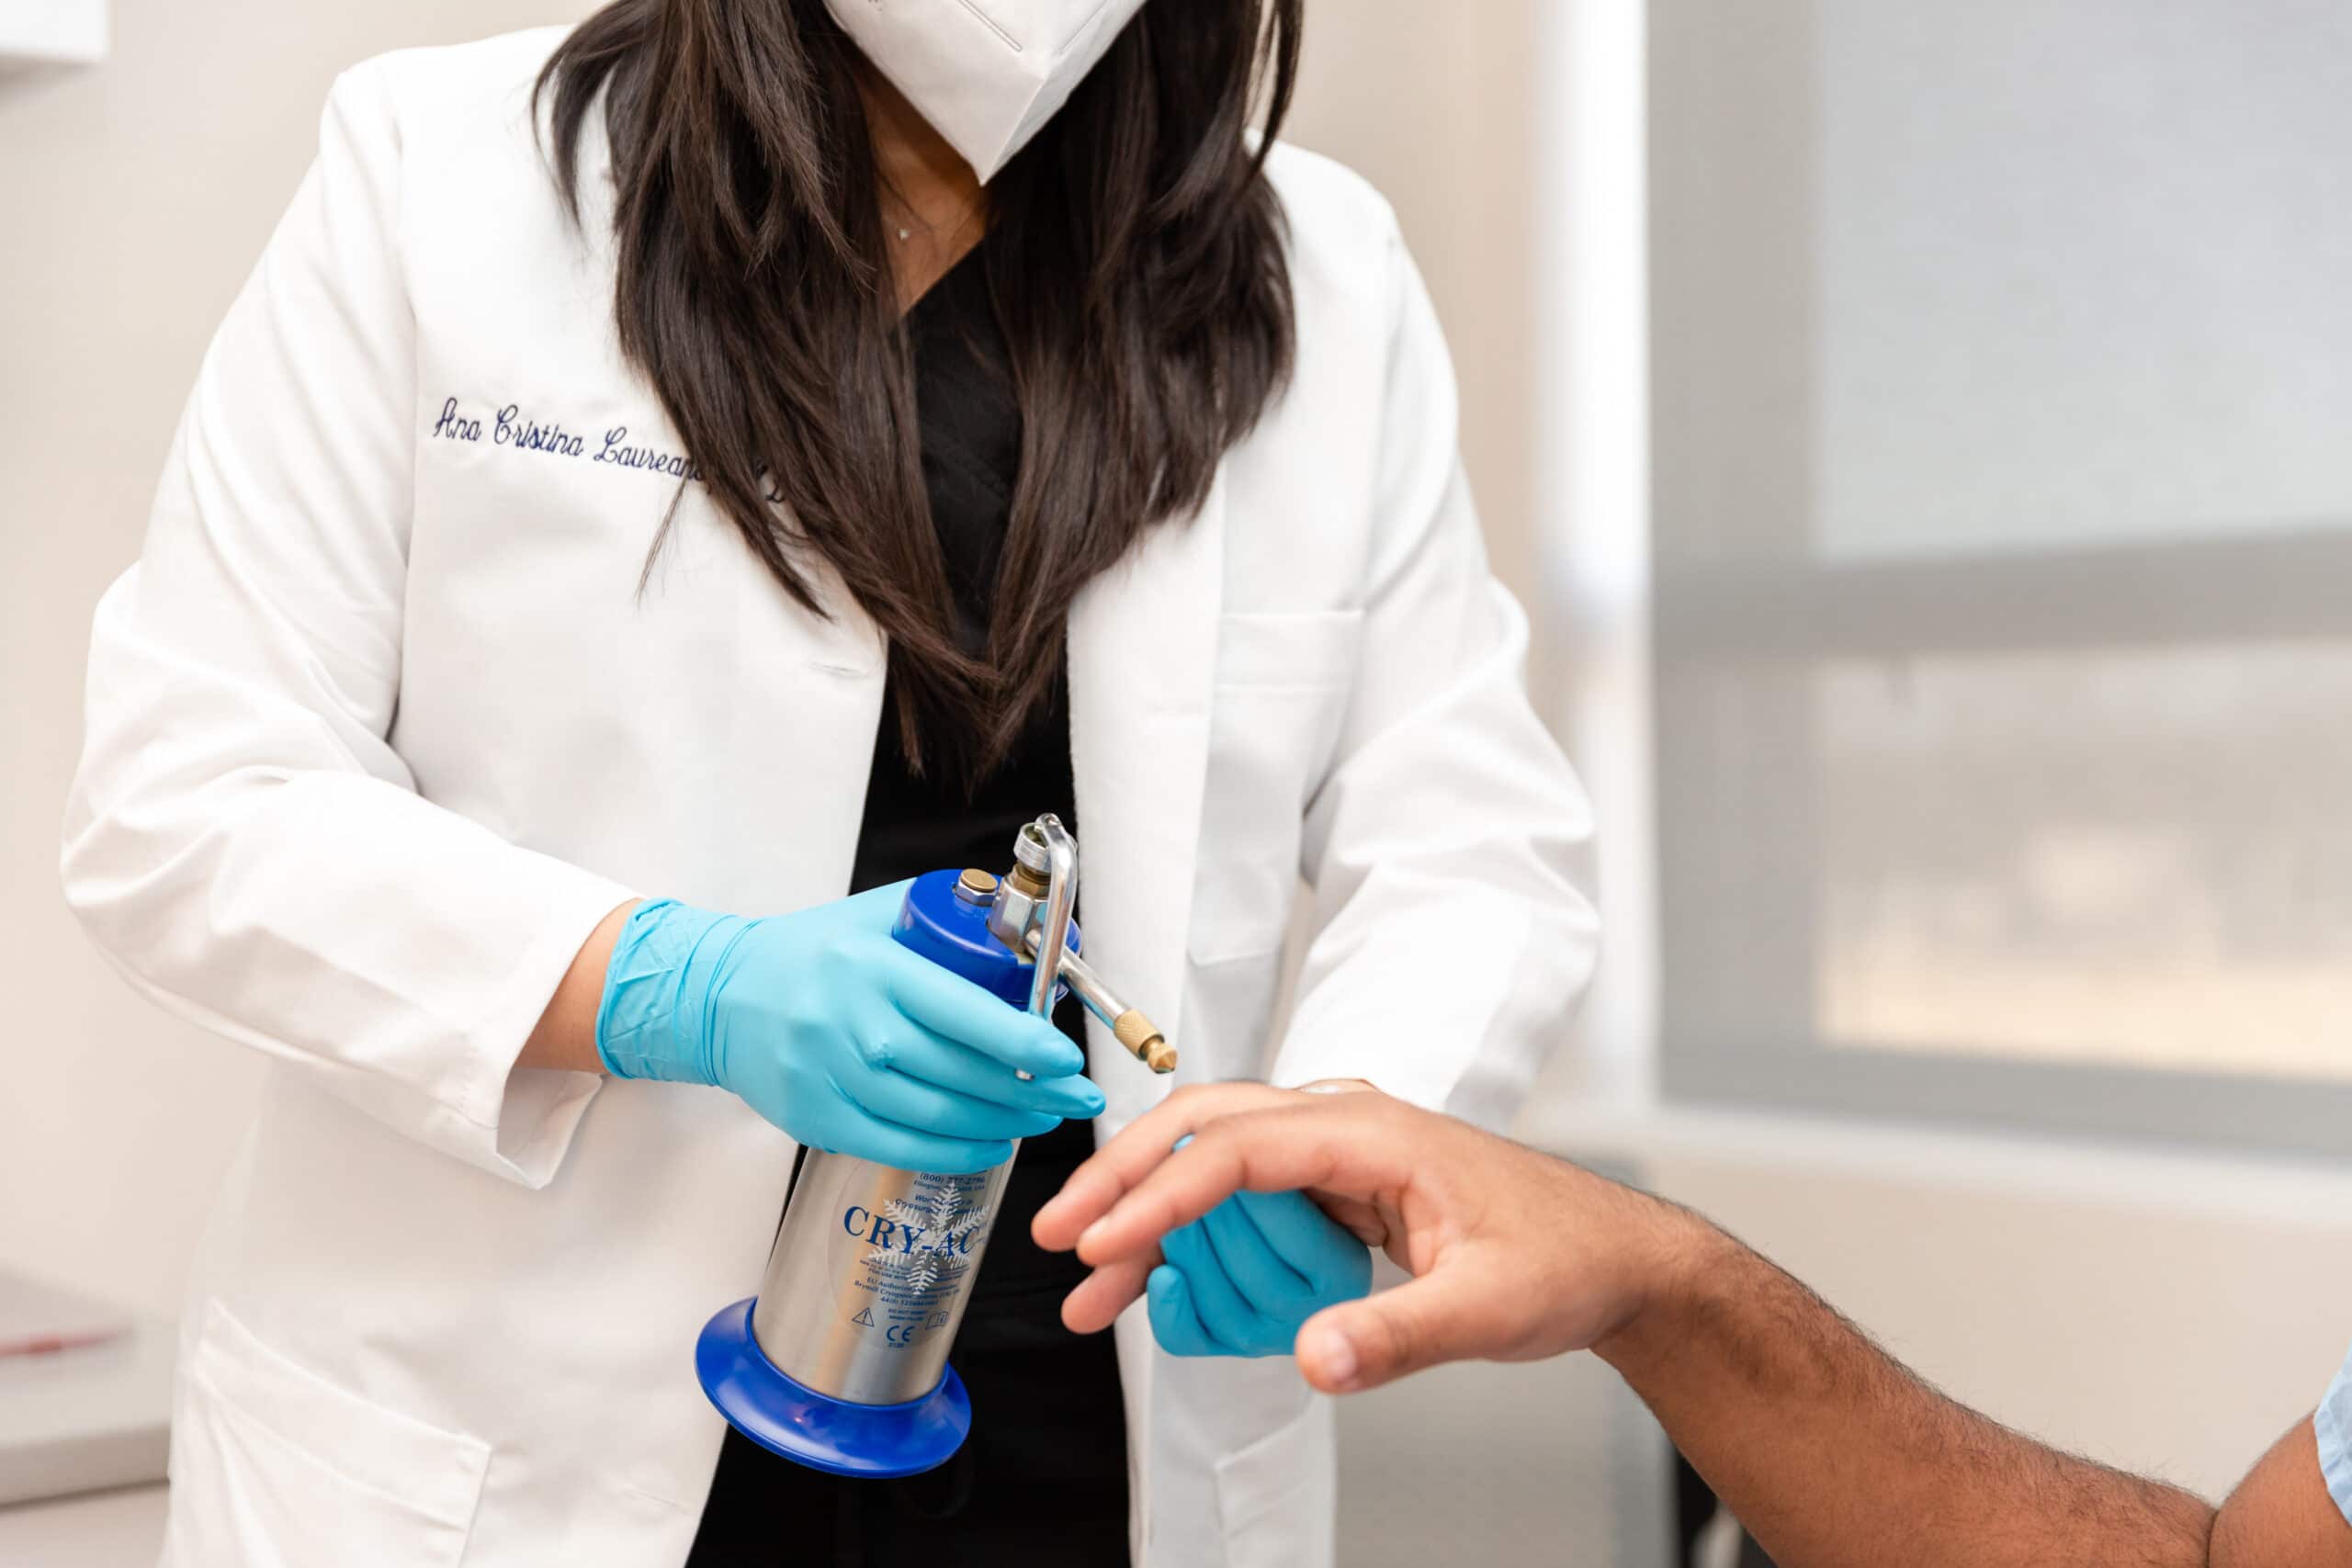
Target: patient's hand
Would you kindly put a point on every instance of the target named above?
(1515, 1256)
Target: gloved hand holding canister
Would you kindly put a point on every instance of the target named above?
(825, 1025)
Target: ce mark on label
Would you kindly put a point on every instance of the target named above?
(903, 1333)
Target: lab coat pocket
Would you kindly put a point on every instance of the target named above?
(1283, 681)
(273, 1465)
(1277, 1499)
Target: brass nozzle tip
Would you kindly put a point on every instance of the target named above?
(1144, 1041)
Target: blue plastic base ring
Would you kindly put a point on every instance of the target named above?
(872, 1442)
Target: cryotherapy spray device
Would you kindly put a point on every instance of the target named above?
(841, 1362)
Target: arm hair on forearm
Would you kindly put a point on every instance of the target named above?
(1834, 1455)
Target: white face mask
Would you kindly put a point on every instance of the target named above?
(988, 74)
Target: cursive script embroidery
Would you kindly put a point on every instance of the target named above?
(530, 435)
(509, 427)
(616, 451)
(454, 426)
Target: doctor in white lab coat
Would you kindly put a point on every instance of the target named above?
(388, 721)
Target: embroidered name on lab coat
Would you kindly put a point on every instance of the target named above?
(509, 428)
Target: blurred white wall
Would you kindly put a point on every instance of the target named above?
(2152, 1305)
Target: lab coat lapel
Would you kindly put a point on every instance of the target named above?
(807, 707)
(1143, 659)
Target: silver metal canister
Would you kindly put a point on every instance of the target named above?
(872, 1266)
(870, 1275)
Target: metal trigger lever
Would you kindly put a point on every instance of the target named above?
(1051, 937)
(1052, 844)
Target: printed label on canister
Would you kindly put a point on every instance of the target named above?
(919, 1252)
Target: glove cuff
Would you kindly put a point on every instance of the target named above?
(654, 1019)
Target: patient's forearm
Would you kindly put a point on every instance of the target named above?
(2282, 1514)
(1834, 1456)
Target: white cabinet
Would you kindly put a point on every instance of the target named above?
(73, 30)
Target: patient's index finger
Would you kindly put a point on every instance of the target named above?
(1283, 1149)
(1115, 1168)
(1355, 1146)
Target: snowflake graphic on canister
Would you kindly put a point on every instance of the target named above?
(944, 1223)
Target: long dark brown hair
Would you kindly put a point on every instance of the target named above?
(1133, 255)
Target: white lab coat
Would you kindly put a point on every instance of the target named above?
(381, 726)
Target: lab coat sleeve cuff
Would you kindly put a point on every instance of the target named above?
(1467, 1038)
(443, 1071)
(521, 1121)
(2333, 1426)
(1326, 1057)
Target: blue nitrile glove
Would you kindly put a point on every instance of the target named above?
(827, 1027)
(1242, 1279)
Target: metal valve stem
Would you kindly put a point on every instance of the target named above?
(1021, 912)
(1137, 1034)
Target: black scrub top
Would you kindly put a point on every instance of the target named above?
(1042, 1482)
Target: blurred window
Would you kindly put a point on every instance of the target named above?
(2002, 421)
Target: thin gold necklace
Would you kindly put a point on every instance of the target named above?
(906, 233)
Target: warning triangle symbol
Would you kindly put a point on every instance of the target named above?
(865, 1317)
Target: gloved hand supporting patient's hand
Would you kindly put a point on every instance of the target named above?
(1243, 1278)
(829, 1028)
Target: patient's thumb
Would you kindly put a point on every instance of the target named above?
(1363, 1343)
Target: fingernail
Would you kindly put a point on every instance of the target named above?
(1338, 1357)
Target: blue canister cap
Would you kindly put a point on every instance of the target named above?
(954, 933)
